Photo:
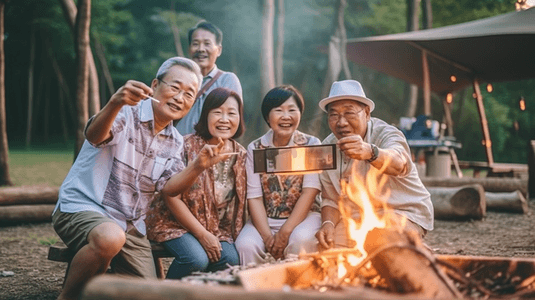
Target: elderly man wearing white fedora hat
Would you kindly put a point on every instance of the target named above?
(368, 146)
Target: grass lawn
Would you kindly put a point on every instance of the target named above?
(39, 167)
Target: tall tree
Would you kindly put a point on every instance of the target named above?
(31, 67)
(4, 149)
(70, 12)
(83, 20)
(267, 69)
(280, 42)
(337, 49)
(413, 16)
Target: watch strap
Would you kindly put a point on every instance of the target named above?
(375, 153)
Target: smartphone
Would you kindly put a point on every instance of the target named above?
(297, 159)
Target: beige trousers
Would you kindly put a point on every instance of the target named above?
(251, 247)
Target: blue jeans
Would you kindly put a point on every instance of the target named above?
(190, 257)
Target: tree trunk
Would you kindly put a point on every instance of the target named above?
(17, 214)
(337, 61)
(22, 195)
(268, 72)
(458, 203)
(343, 38)
(93, 101)
(427, 14)
(29, 119)
(99, 49)
(490, 184)
(83, 20)
(176, 37)
(46, 110)
(531, 169)
(412, 25)
(507, 202)
(62, 114)
(4, 148)
(280, 43)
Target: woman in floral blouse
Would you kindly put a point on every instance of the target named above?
(284, 209)
(202, 209)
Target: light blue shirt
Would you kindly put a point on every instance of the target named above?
(227, 80)
(119, 177)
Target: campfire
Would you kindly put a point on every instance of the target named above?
(388, 256)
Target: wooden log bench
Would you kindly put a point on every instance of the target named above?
(64, 254)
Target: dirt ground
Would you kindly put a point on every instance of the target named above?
(23, 249)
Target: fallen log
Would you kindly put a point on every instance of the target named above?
(460, 203)
(109, 287)
(22, 195)
(507, 202)
(15, 214)
(406, 265)
(490, 184)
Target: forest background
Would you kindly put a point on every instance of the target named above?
(131, 38)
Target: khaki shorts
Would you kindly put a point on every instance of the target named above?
(135, 258)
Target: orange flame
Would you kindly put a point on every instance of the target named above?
(369, 194)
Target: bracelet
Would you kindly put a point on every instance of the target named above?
(328, 221)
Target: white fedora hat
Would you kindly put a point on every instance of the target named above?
(346, 90)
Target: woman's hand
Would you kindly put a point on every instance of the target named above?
(211, 245)
(280, 241)
(325, 236)
(211, 154)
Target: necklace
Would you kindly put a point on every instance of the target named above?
(221, 171)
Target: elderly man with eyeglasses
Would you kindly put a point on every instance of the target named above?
(130, 152)
(374, 156)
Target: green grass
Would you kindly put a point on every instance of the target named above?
(39, 167)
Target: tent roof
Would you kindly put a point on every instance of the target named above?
(499, 48)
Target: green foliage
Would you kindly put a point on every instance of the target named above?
(48, 241)
(450, 12)
(385, 17)
(137, 38)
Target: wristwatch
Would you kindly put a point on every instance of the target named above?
(375, 153)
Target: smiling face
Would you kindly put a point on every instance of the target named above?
(204, 50)
(176, 92)
(348, 117)
(223, 121)
(284, 120)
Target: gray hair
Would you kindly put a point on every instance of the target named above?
(183, 62)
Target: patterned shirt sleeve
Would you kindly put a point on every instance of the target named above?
(174, 165)
(117, 130)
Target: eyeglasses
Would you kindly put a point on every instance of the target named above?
(348, 115)
(177, 91)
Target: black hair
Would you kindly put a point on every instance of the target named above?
(215, 99)
(277, 96)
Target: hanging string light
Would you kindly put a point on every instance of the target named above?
(449, 98)
(453, 78)
(522, 103)
(489, 88)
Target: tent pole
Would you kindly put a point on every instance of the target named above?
(487, 143)
(427, 84)
(447, 115)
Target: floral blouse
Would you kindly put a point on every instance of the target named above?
(281, 192)
(223, 222)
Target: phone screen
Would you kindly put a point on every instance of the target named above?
(301, 159)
